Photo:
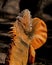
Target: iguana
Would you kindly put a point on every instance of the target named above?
(28, 34)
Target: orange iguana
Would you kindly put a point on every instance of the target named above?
(29, 34)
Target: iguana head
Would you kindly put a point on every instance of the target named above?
(25, 20)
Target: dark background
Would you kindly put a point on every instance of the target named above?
(43, 10)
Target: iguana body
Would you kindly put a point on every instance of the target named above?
(18, 54)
